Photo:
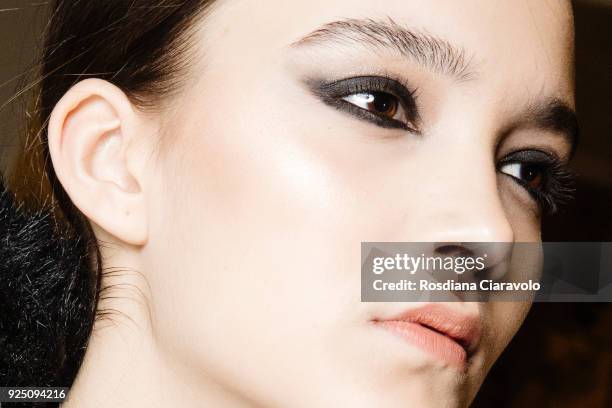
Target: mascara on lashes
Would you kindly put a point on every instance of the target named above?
(558, 180)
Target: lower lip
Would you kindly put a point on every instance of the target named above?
(440, 346)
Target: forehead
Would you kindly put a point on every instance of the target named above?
(518, 48)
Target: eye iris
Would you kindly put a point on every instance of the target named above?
(532, 174)
(383, 103)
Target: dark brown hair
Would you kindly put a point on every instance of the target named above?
(141, 46)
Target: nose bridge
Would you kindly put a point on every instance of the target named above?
(461, 201)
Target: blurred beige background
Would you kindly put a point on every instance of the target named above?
(21, 27)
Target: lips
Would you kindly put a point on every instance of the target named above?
(445, 333)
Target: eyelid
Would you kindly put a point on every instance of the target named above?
(531, 155)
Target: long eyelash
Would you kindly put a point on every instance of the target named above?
(559, 190)
(332, 92)
(559, 180)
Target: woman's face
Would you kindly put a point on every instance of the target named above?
(308, 127)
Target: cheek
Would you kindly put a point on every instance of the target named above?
(255, 239)
(505, 318)
(521, 211)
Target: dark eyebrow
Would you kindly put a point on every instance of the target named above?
(556, 116)
(430, 51)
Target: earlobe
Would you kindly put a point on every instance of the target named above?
(92, 137)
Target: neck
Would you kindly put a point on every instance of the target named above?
(124, 366)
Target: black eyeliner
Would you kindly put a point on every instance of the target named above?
(333, 92)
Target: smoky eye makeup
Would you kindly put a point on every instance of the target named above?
(543, 175)
(379, 100)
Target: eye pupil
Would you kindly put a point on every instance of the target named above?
(384, 103)
(532, 175)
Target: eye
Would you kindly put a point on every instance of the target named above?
(382, 101)
(379, 103)
(545, 177)
(529, 173)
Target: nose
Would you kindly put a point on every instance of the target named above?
(457, 206)
(456, 200)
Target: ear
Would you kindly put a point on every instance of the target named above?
(93, 134)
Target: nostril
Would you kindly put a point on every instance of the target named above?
(453, 250)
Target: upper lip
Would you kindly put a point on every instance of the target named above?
(462, 327)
